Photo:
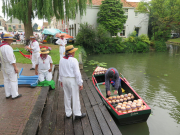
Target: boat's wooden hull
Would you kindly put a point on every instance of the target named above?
(123, 119)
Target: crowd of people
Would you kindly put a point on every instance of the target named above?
(69, 72)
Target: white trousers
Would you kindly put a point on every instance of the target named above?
(71, 89)
(61, 51)
(34, 58)
(43, 75)
(10, 83)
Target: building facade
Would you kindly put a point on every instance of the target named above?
(2, 24)
(135, 21)
(15, 24)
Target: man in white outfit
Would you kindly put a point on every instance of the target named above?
(44, 66)
(9, 68)
(62, 43)
(34, 47)
(71, 81)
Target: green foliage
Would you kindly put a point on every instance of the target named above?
(10, 29)
(160, 46)
(93, 62)
(97, 40)
(137, 44)
(164, 17)
(111, 16)
(25, 10)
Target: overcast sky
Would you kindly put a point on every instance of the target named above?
(40, 22)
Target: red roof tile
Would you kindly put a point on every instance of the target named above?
(125, 3)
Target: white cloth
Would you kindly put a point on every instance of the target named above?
(34, 58)
(70, 76)
(43, 67)
(62, 44)
(10, 84)
(10, 77)
(71, 89)
(35, 52)
(22, 37)
(45, 75)
(70, 68)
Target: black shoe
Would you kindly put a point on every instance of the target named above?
(79, 117)
(8, 97)
(32, 68)
(69, 116)
(17, 96)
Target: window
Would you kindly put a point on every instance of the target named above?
(123, 32)
(136, 14)
(19, 26)
(126, 11)
(9, 26)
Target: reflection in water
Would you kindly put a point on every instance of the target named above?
(155, 77)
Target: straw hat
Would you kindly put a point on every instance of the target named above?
(70, 49)
(44, 51)
(8, 36)
(32, 37)
(62, 35)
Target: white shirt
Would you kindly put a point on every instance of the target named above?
(7, 54)
(22, 37)
(35, 46)
(44, 65)
(63, 43)
(70, 68)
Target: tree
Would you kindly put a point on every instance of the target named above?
(111, 16)
(164, 16)
(10, 29)
(25, 10)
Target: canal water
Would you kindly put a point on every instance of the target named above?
(155, 76)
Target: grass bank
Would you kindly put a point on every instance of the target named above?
(54, 53)
(176, 40)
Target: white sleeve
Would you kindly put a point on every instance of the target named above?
(77, 72)
(60, 75)
(35, 46)
(10, 55)
(58, 42)
(50, 59)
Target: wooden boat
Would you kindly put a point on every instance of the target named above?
(124, 118)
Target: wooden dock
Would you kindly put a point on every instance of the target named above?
(48, 116)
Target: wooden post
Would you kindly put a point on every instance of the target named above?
(80, 61)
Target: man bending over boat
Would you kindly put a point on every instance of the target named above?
(112, 75)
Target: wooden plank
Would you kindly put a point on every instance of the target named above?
(69, 126)
(44, 127)
(94, 92)
(78, 130)
(85, 121)
(89, 94)
(102, 122)
(53, 114)
(77, 127)
(52, 126)
(92, 118)
(34, 119)
(60, 125)
(112, 125)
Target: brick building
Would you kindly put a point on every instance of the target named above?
(15, 24)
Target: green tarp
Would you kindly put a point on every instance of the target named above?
(47, 83)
